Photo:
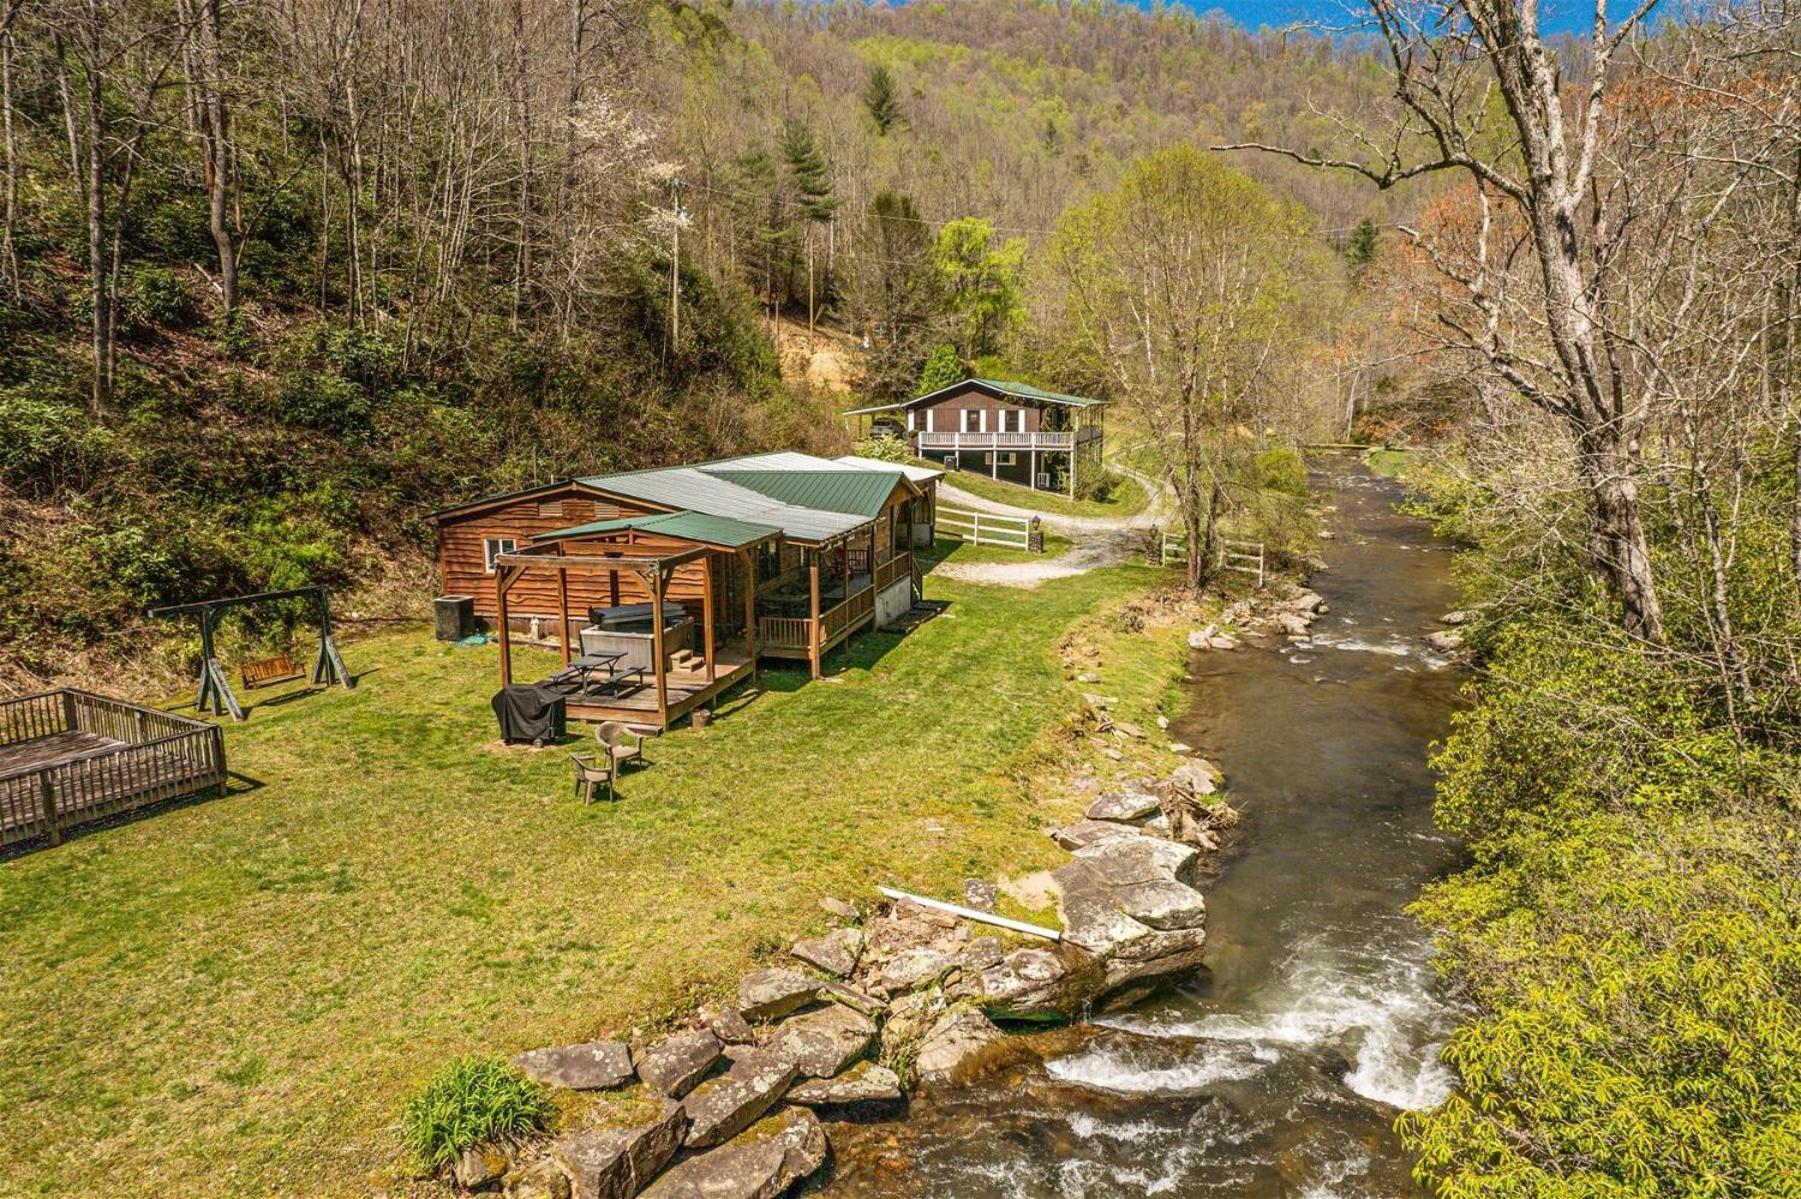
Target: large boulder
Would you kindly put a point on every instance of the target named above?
(591, 1066)
(953, 1044)
(763, 1163)
(1121, 861)
(1088, 832)
(673, 1065)
(865, 1082)
(1161, 904)
(1039, 984)
(1194, 777)
(722, 1107)
(769, 994)
(1128, 903)
(912, 969)
(1128, 805)
(821, 1044)
(836, 953)
(616, 1163)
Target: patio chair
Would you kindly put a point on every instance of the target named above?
(621, 743)
(589, 770)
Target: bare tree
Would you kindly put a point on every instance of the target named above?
(1449, 58)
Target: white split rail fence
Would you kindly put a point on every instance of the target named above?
(986, 528)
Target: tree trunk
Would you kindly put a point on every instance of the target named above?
(100, 295)
(213, 125)
(9, 248)
(1618, 547)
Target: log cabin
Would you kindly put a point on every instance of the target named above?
(681, 578)
(1045, 440)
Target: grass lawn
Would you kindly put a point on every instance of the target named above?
(1127, 497)
(235, 997)
(949, 549)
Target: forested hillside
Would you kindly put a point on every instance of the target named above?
(280, 279)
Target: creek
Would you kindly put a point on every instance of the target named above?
(1279, 1069)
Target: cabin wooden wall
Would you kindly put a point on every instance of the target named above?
(948, 412)
(461, 565)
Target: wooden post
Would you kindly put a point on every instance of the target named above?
(655, 579)
(1032, 463)
(1072, 469)
(563, 607)
(813, 625)
(750, 606)
(706, 613)
(47, 798)
(501, 580)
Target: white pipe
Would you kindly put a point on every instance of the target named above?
(1018, 926)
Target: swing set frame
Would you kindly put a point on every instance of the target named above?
(215, 692)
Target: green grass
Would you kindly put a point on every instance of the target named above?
(238, 996)
(475, 1099)
(1127, 498)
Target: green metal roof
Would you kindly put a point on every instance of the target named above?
(853, 492)
(1019, 391)
(688, 526)
(1027, 391)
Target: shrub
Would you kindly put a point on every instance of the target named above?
(156, 296)
(474, 1099)
(45, 444)
(326, 402)
(1097, 486)
(884, 449)
(1280, 469)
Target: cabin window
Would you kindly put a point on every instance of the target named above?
(550, 507)
(1013, 420)
(493, 547)
(1004, 459)
(972, 420)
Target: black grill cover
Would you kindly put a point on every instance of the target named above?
(528, 713)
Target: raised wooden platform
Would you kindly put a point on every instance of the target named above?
(685, 690)
(68, 757)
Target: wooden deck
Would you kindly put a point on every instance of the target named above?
(686, 690)
(68, 757)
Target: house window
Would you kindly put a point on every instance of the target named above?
(493, 547)
(1013, 420)
(1008, 459)
(972, 420)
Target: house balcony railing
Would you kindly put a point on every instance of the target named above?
(1061, 439)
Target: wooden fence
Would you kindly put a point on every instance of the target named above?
(68, 757)
(1245, 557)
(988, 528)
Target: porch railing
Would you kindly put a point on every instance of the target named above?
(898, 567)
(149, 755)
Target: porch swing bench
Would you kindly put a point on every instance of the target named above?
(266, 672)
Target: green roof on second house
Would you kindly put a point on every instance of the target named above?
(853, 492)
(1004, 387)
(688, 526)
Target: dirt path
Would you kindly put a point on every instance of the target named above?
(1099, 540)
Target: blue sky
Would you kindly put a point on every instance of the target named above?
(1556, 14)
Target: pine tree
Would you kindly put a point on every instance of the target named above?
(882, 98)
(811, 177)
(1362, 248)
